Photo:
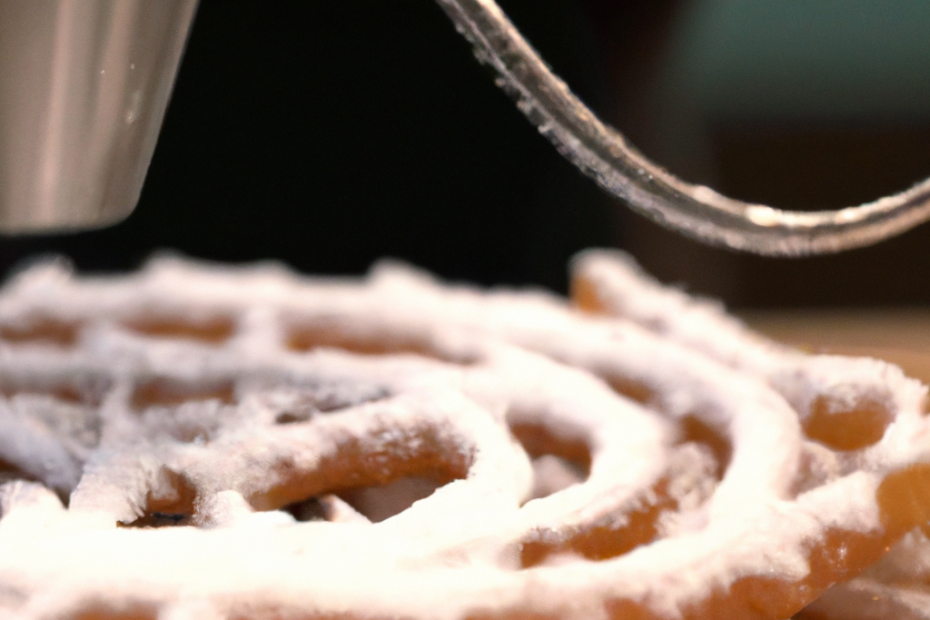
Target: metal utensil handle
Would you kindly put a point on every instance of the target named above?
(694, 210)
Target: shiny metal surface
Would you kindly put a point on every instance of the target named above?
(699, 212)
(84, 85)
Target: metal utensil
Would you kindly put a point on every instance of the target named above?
(84, 85)
(694, 210)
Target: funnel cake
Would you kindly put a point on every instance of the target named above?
(204, 442)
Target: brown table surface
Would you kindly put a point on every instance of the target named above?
(898, 335)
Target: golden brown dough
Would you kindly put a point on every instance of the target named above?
(247, 444)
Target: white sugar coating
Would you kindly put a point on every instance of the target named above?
(895, 587)
(203, 407)
(625, 290)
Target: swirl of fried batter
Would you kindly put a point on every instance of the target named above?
(199, 441)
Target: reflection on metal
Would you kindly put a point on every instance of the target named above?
(85, 85)
(697, 211)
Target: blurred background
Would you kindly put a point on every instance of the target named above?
(329, 134)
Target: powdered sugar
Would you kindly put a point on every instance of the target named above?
(205, 401)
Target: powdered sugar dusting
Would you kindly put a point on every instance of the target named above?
(186, 410)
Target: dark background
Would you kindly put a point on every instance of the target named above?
(329, 134)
